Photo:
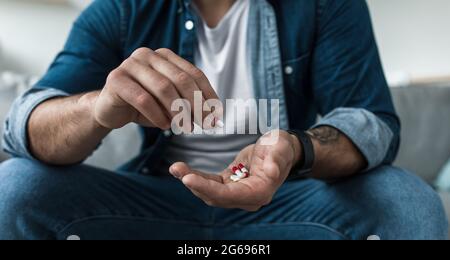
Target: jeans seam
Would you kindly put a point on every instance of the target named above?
(146, 219)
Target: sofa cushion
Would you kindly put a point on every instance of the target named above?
(425, 145)
(443, 182)
(117, 148)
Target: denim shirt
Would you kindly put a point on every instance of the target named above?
(318, 58)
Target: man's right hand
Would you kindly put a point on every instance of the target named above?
(143, 88)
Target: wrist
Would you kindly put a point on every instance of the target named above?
(87, 103)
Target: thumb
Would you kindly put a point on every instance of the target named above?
(179, 170)
(271, 166)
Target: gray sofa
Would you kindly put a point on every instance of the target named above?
(425, 115)
(424, 110)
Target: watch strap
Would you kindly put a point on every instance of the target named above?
(304, 167)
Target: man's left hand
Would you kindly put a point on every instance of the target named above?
(269, 167)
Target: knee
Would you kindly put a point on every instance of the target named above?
(20, 175)
(28, 190)
(22, 187)
(405, 206)
(19, 178)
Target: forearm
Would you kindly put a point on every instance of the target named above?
(335, 154)
(63, 131)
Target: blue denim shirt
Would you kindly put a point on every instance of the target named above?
(319, 58)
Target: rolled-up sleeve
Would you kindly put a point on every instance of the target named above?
(348, 81)
(93, 49)
(15, 139)
(369, 134)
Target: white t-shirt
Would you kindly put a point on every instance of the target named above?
(222, 55)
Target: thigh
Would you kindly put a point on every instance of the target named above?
(387, 202)
(39, 201)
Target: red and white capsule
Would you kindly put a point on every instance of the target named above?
(244, 170)
(238, 172)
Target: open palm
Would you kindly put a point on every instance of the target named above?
(269, 166)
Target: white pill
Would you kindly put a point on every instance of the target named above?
(235, 178)
(220, 124)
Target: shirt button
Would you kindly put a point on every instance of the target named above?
(288, 70)
(145, 170)
(167, 133)
(189, 25)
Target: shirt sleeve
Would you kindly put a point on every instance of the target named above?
(15, 136)
(369, 133)
(92, 51)
(348, 81)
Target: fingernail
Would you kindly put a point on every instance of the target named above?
(219, 123)
(175, 173)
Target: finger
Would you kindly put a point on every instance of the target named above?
(225, 204)
(153, 82)
(199, 77)
(239, 203)
(210, 98)
(205, 199)
(222, 195)
(209, 202)
(193, 181)
(133, 94)
(182, 81)
(180, 170)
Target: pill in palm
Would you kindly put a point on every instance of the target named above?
(235, 178)
(243, 170)
(238, 172)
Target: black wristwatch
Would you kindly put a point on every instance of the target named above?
(304, 167)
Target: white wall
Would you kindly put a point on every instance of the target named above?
(31, 33)
(413, 35)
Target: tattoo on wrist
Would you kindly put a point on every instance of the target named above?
(325, 135)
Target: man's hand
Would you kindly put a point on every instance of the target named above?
(144, 87)
(141, 90)
(269, 168)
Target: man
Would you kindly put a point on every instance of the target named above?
(127, 61)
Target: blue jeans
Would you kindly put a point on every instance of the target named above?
(42, 202)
